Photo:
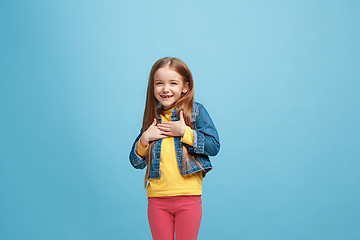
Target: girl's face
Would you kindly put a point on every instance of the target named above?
(168, 86)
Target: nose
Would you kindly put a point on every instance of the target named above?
(166, 88)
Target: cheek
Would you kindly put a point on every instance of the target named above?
(179, 90)
(156, 90)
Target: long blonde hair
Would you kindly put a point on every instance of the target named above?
(153, 108)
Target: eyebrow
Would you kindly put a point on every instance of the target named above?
(177, 80)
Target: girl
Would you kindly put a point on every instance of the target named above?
(175, 142)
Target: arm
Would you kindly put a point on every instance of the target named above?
(136, 160)
(141, 150)
(206, 138)
(138, 157)
(188, 137)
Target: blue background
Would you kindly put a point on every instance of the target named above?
(280, 80)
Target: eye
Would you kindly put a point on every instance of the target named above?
(174, 83)
(158, 83)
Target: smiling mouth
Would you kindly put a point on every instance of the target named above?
(166, 96)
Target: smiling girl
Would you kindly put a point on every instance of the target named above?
(175, 142)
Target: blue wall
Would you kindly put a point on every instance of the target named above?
(279, 78)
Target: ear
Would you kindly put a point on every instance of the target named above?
(185, 88)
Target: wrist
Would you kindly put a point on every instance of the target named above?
(144, 141)
(183, 131)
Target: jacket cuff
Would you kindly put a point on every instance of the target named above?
(140, 150)
(188, 137)
(199, 142)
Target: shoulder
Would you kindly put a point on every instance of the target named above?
(197, 108)
(196, 105)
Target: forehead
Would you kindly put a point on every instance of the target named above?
(166, 74)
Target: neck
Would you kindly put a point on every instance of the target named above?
(167, 109)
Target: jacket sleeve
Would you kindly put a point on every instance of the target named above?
(136, 160)
(206, 137)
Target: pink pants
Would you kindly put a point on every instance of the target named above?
(179, 214)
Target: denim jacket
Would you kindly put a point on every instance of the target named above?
(206, 143)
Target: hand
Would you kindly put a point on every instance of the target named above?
(173, 128)
(151, 134)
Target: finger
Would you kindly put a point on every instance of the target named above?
(163, 135)
(166, 123)
(162, 132)
(163, 128)
(181, 115)
(154, 122)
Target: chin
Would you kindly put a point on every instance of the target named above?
(168, 105)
